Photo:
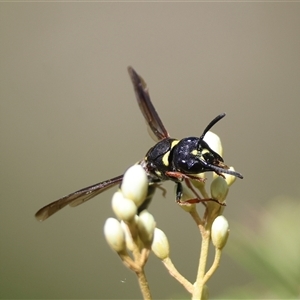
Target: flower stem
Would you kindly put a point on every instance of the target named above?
(199, 284)
(173, 271)
(214, 266)
(144, 285)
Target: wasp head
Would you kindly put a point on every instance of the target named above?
(211, 160)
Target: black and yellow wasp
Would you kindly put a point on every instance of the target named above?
(169, 159)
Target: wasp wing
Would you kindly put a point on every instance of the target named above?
(83, 195)
(77, 197)
(146, 106)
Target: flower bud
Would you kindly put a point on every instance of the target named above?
(130, 244)
(200, 185)
(214, 142)
(219, 189)
(114, 235)
(146, 225)
(124, 208)
(188, 207)
(135, 184)
(160, 244)
(219, 232)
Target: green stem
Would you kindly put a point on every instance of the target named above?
(199, 284)
(144, 285)
(214, 266)
(173, 271)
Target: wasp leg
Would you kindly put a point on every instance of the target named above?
(198, 199)
(180, 176)
(179, 192)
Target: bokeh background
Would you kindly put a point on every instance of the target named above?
(69, 119)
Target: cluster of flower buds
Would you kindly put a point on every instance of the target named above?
(218, 190)
(132, 231)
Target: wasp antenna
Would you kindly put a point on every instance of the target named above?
(226, 171)
(210, 125)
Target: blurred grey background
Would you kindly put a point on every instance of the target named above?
(69, 119)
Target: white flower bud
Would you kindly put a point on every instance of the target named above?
(135, 184)
(188, 207)
(146, 225)
(160, 244)
(219, 189)
(125, 209)
(219, 232)
(128, 238)
(114, 235)
(214, 142)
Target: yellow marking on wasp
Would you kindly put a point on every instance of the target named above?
(165, 158)
(195, 152)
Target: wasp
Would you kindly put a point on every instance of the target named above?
(169, 159)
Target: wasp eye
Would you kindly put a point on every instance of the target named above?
(208, 157)
(211, 157)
